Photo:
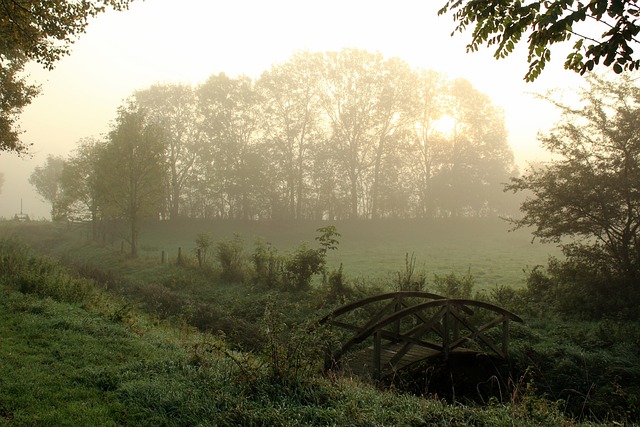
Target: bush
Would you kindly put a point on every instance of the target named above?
(267, 265)
(576, 289)
(453, 286)
(338, 290)
(407, 280)
(300, 268)
(230, 254)
(161, 300)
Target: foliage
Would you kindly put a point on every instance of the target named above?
(409, 143)
(47, 180)
(79, 183)
(338, 290)
(305, 262)
(291, 352)
(230, 254)
(42, 32)
(407, 280)
(605, 30)
(204, 241)
(267, 265)
(172, 107)
(27, 272)
(587, 200)
(130, 171)
(574, 288)
(590, 368)
(328, 238)
(454, 286)
(302, 265)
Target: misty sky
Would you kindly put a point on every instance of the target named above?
(170, 41)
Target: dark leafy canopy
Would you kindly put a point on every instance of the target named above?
(41, 31)
(604, 30)
(591, 192)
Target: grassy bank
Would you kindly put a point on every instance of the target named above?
(73, 355)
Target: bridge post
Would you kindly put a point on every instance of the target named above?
(397, 308)
(328, 360)
(445, 331)
(505, 337)
(377, 355)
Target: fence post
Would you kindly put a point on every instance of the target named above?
(162, 258)
(179, 256)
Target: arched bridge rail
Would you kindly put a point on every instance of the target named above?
(414, 326)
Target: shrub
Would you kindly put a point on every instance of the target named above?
(303, 264)
(306, 262)
(230, 254)
(577, 289)
(453, 286)
(408, 280)
(338, 290)
(268, 266)
(203, 243)
(161, 300)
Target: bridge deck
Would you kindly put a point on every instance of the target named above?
(361, 362)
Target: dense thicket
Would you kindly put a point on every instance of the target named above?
(332, 135)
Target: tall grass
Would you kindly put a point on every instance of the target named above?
(27, 272)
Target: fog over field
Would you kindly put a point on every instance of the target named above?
(163, 41)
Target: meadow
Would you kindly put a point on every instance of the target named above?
(72, 354)
(377, 250)
(239, 350)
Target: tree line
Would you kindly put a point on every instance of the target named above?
(331, 135)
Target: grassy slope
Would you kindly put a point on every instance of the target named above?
(62, 364)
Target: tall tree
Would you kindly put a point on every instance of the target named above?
(292, 126)
(173, 107)
(353, 87)
(588, 198)
(394, 116)
(47, 180)
(131, 171)
(40, 31)
(604, 30)
(229, 109)
(433, 103)
(80, 181)
(478, 158)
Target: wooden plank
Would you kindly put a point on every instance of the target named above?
(362, 363)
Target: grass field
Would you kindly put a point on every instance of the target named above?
(373, 250)
(97, 367)
(90, 358)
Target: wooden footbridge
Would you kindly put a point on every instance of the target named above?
(390, 332)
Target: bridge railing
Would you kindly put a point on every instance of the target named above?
(420, 320)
